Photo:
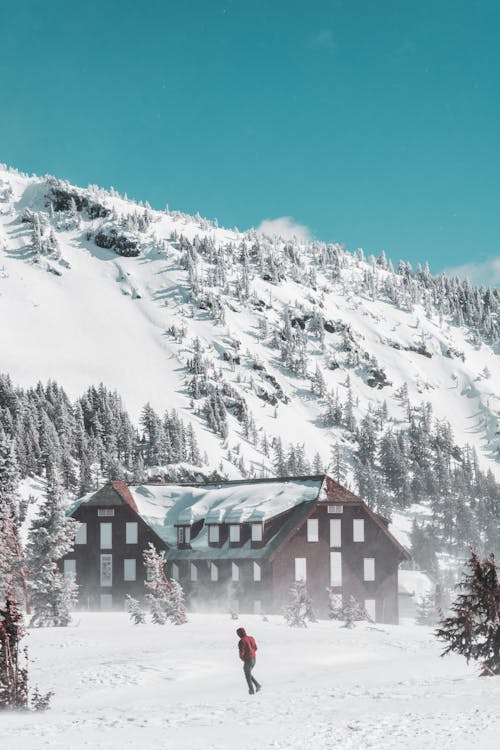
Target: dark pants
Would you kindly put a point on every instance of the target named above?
(248, 665)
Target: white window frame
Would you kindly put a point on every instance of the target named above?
(256, 532)
(183, 535)
(106, 535)
(335, 509)
(335, 568)
(235, 572)
(105, 512)
(130, 569)
(70, 569)
(234, 532)
(313, 530)
(257, 572)
(214, 572)
(257, 607)
(335, 532)
(81, 533)
(368, 568)
(300, 571)
(371, 608)
(358, 529)
(193, 572)
(174, 572)
(213, 533)
(105, 566)
(131, 532)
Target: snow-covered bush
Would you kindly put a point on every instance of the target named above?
(113, 237)
(299, 608)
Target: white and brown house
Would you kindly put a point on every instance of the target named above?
(237, 544)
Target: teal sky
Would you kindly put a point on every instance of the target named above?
(372, 123)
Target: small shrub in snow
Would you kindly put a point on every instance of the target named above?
(137, 614)
(299, 608)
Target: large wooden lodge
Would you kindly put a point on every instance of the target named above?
(237, 544)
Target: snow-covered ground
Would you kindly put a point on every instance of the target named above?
(155, 687)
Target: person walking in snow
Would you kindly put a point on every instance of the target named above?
(247, 648)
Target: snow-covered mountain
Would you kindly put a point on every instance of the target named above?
(96, 288)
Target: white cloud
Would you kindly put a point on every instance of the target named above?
(484, 273)
(286, 227)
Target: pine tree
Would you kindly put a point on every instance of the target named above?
(165, 597)
(299, 608)
(137, 614)
(473, 627)
(50, 538)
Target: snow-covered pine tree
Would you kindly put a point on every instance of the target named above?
(353, 611)
(473, 627)
(165, 597)
(137, 614)
(12, 573)
(299, 608)
(50, 538)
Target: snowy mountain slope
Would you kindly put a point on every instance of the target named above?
(82, 313)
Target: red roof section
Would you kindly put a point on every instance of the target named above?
(124, 492)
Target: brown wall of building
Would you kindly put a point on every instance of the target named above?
(88, 556)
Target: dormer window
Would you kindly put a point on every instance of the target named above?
(256, 532)
(213, 534)
(183, 535)
(234, 533)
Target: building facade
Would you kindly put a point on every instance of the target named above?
(237, 545)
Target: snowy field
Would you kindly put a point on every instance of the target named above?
(122, 686)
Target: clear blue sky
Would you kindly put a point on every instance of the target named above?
(371, 122)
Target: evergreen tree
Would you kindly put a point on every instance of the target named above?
(50, 538)
(299, 608)
(165, 597)
(13, 661)
(473, 627)
(137, 614)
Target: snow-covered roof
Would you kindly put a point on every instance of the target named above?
(167, 505)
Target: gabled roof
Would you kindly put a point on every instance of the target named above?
(111, 494)
(335, 493)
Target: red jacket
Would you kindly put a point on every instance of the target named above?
(247, 646)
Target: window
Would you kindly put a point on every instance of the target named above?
(129, 570)
(369, 568)
(335, 532)
(257, 573)
(312, 530)
(235, 572)
(106, 512)
(106, 601)
(193, 572)
(214, 572)
(335, 569)
(70, 569)
(358, 530)
(174, 572)
(183, 534)
(257, 607)
(213, 534)
(370, 608)
(81, 534)
(256, 532)
(234, 532)
(335, 509)
(106, 570)
(131, 532)
(106, 529)
(300, 569)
